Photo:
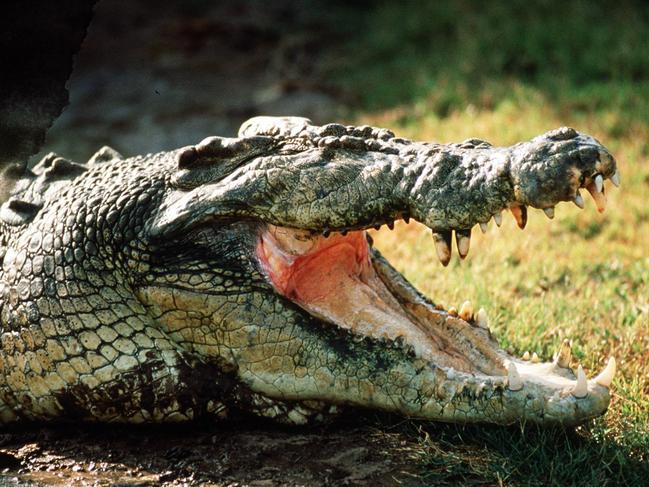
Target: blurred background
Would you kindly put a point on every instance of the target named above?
(154, 75)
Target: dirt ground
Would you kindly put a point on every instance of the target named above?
(216, 454)
(159, 75)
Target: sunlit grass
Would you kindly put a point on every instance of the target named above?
(506, 71)
(583, 276)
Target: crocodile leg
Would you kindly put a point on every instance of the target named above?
(107, 377)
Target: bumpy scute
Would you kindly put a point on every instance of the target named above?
(133, 289)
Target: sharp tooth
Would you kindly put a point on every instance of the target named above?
(443, 246)
(564, 355)
(520, 215)
(581, 389)
(466, 310)
(526, 356)
(549, 212)
(463, 242)
(498, 218)
(481, 319)
(606, 376)
(452, 311)
(599, 183)
(598, 196)
(579, 201)
(535, 358)
(484, 227)
(514, 380)
(615, 178)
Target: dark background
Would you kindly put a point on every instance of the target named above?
(157, 75)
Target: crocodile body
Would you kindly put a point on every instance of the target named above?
(235, 277)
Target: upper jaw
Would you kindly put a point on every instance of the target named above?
(554, 167)
(543, 172)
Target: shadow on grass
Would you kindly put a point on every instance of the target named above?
(525, 455)
(357, 449)
(445, 56)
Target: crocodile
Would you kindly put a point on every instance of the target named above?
(236, 277)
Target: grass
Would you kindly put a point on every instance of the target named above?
(583, 275)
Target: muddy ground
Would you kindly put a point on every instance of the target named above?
(159, 75)
(243, 453)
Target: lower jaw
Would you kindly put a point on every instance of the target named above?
(342, 281)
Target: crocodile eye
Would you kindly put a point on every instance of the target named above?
(582, 180)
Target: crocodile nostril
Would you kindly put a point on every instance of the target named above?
(562, 133)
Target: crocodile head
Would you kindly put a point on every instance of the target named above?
(260, 256)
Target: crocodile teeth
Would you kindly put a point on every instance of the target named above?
(463, 242)
(535, 358)
(466, 310)
(520, 215)
(452, 311)
(599, 183)
(481, 319)
(579, 201)
(514, 380)
(605, 377)
(443, 246)
(615, 179)
(498, 218)
(581, 388)
(564, 355)
(526, 356)
(549, 212)
(598, 195)
(484, 227)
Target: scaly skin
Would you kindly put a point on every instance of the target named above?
(145, 289)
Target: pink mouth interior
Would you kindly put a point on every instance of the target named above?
(332, 278)
(335, 280)
(310, 269)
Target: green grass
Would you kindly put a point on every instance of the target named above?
(450, 72)
(583, 276)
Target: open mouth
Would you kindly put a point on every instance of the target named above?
(342, 280)
(335, 279)
(312, 192)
